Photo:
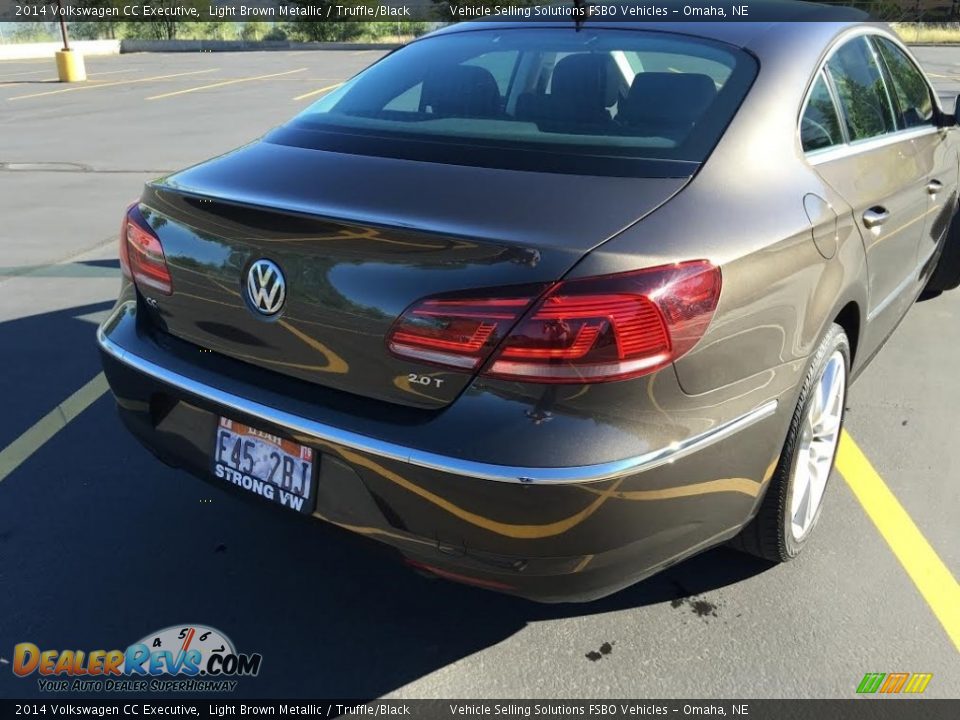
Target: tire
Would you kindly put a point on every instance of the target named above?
(946, 275)
(784, 522)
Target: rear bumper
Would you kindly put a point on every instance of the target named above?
(571, 532)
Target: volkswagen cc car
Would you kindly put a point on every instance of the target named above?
(545, 308)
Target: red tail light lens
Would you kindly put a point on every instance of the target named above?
(612, 327)
(141, 254)
(459, 333)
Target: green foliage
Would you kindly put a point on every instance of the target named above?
(252, 31)
(89, 30)
(34, 32)
(165, 28)
(389, 31)
(894, 10)
(309, 29)
(315, 29)
(275, 33)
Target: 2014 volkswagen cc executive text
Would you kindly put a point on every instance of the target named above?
(545, 307)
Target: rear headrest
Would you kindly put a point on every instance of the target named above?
(461, 91)
(587, 78)
(660, 97)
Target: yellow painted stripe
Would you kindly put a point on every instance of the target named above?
(17, 452)
(224, 83)
(78, 88)
(53, 79)
(925, 568)
(328, 88)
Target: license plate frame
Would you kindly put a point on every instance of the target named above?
(275, 469)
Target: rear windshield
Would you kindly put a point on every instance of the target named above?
(593, 101)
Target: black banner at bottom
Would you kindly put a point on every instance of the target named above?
(874, 708)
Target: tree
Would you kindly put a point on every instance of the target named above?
(310, 29)
(104, 27)
(164, 27)
(32, 32)
(252, 31)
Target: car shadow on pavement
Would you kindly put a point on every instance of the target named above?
(43, 359)
(109, 546)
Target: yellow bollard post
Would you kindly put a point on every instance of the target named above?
(70, 66)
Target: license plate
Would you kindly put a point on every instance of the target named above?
(276, 469)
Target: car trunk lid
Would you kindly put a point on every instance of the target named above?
(358, 240)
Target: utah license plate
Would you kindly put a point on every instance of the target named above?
(276, 469)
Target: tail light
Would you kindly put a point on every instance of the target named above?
(458, 333)
(597, 329)
(141, 254)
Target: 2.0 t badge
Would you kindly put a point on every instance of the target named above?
(266, 287)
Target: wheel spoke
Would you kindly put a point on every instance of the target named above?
(828, 424)
(817, 445)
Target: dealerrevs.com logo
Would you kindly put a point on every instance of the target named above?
(180, 658)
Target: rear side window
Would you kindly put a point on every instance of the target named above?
(820, 125)
(552, 99)
(861, 90)
(913, 100)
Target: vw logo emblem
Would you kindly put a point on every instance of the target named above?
(266, 287)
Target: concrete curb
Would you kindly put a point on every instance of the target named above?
(172, 46)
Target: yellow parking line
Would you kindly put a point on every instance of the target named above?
(112, 84)
(225, 82)
(928, 572)
(328, 88)
(17, 452)
(53, 79)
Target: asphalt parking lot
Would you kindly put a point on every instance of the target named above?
(100, 544)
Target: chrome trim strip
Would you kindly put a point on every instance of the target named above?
(837, 152)
(433, 461)
(848, 149)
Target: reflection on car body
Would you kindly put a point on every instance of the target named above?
(546, 309)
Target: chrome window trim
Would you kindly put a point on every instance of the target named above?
(836, 152)
(934, 98)
(837, 110)
(882, 69)
(434, 461)
(848, 149)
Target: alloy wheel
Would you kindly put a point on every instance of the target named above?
(819, 435)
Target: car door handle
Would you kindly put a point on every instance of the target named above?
(934, 186)
(875, 217)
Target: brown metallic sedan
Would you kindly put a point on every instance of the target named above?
(545, 307)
